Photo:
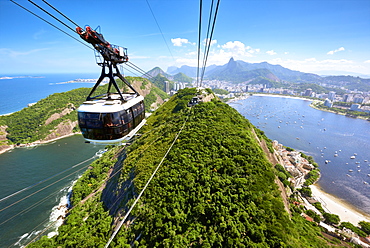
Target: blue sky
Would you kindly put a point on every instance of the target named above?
(310, 36)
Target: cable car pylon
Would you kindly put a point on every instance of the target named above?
(112, 117)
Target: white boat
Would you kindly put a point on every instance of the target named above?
(100, 152)
(350, 170)
(353, 157)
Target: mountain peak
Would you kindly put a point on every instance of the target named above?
(232, 64)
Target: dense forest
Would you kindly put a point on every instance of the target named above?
(215, 188)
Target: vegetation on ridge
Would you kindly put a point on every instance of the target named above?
(214, 189)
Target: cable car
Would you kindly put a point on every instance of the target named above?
(111, 121)
(112, 117)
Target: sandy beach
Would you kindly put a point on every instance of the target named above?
(337, 206)
(283, 96)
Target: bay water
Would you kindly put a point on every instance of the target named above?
(321, 135)
(35, 181)
(34, 186)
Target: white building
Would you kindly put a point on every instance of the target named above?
(328, 103)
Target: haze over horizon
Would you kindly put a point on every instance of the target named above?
(321, 37)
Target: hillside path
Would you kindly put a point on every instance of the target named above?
(273, 160)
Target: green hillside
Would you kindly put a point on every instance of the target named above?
(160, 80)
(214, 189)
(32, 123)
(181, 77)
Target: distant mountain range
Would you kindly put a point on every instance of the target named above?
(238, 71)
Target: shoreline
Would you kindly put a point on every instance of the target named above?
(284, 96)
(36, 143)
(311, 105)
(334, 205)
(331, 203)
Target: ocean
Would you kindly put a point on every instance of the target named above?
(320, 134)
(34, 186)
(19, 90)
(35, 181)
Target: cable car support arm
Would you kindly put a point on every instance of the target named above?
(112, 82)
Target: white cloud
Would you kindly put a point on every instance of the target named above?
(13, 54)
(315, 65)
(212, 42)
(238, 49)
(336, 50)
(271, 52)
(39, 34)
(234, 45)
(252, 51)
(180, 41)
(367, 61)
(221, 53)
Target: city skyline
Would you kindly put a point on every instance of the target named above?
(322, 37)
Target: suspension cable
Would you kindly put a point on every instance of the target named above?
(61, 13)
(138, 69)
(199, 33)
(208, 42)
(160, 30)
(131, 71)
(207, 37)
(47, 186)
(146, 185)
(51, 24)
(51, 15)
(78, 204)
(42, 181)
(29, 207)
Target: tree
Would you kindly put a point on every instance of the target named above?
(220, 91)
(313, 215)
(353, 228)
(331, 218)
(306, 191)
(365, 226)
(289, 149)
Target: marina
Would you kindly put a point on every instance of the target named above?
(322, 135)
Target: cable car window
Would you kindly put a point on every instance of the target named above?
(142, 106)
(123, 117)
(81, 119)
(134, 110)
(92, 116)
(116, 119)
(129, 115)
(110, 119)
(91, 123)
